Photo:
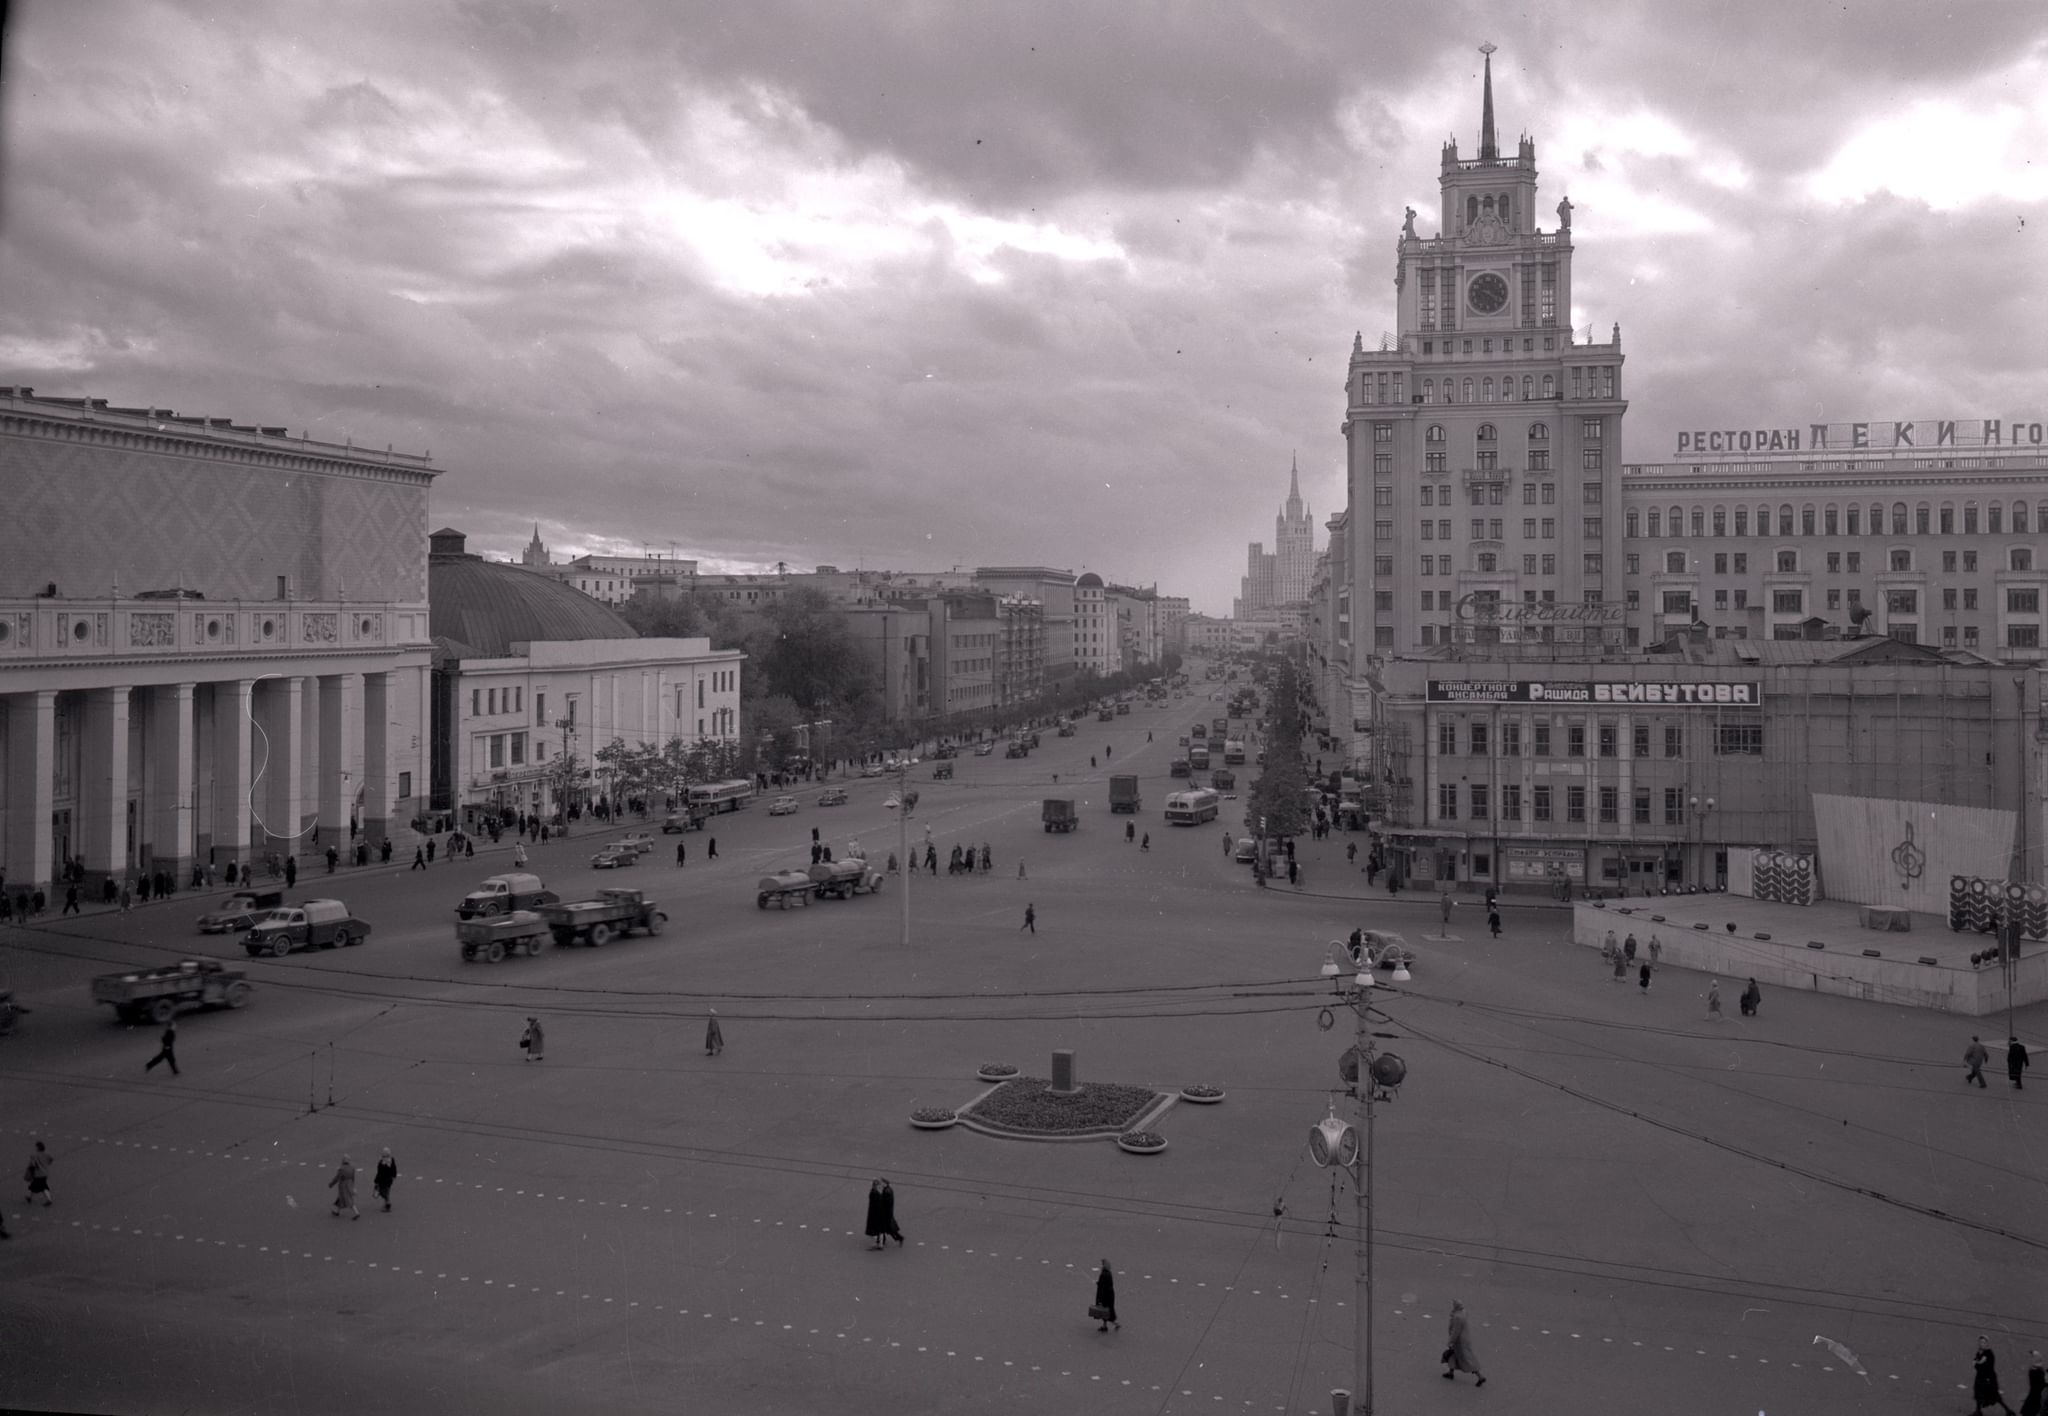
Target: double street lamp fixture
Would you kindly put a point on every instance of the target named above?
(1373, 1076)
(903, 801)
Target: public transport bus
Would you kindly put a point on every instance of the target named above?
(1233, 751)
(1198, 758)
(720, 796)
(1192, 808)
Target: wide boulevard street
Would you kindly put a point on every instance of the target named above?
(1641, 1210)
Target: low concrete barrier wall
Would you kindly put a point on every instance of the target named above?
(1839, 966)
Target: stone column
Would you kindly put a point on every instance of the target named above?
(103, 785)
(277, 764)
(379, 778)
(341, 756)
(30, 859)
(233, 701)
(169, 794)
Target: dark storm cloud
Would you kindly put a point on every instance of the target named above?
(926, 284)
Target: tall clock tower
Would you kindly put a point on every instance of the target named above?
(1484, 439)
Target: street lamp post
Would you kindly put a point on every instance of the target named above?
(903, 801)
(1702, 807)
(1374, 1076)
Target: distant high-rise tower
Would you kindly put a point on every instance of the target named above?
(535, 554)
(1294, 544)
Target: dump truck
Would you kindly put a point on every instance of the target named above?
(784, 888)
(1059, 814)
(843, 879)
(501, 894)
(491, 937)
(158, 995)
(1123, 794)
(597, 922)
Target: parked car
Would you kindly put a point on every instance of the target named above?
(1066, 730)
(239, 911)
(832, 796)
(782, 806)
(614, 856)
(874, 769)
(983, 749)
(1247, 850)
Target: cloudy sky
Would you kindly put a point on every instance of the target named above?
(926, 284)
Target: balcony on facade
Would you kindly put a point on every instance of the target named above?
(46, 631)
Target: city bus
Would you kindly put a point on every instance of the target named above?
(1198, 757)
(1192, 808)
(1233, 751)
(720, 796)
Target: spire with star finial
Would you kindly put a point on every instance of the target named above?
(1489, 149)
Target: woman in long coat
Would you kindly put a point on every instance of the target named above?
(1105, 1298)
(1984, 1384)
(876, 1226)
(344, 1186)
(1458, 1354)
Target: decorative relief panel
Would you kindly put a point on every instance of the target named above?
(152, 629)
(319, 627)
(17, 630)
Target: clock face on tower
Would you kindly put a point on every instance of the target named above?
(1487, 293)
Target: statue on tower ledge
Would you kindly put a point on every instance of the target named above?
(1564, 214)
(1408, 227)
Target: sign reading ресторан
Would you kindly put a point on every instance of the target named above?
(1868, 437)
(1747, 693)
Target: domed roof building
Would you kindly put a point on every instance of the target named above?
(532, 679)
(1089, 581)
(482, 608)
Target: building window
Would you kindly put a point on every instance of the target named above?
(1447, 801)
(1674, 740)
(1806, 521)
(1610, 806)
(1575, 804)
(1835, 563)
(476, 703)
(1575, 740)
(1382, 565)
(1383, 530)
(1674, 807)
(1632, 563)
(1511, 738)
(1447, 738)
(1550, 565)
(1787, 602)
(1539, 802)
(497, 749)
(1610, 740)
(1382, 496)
(1739, 739)
(1550, 528)
(1549, 493)
(1511, 802)
(2023, 602)
(1540, 747)
(1479, 801)
(1488, 562)
(1788, 562)
(1853, 522)
(2022, 558)
(2023, 636)
(1479, 748)
(1640, 738)
(1592, 528)
(1593, 563)
(1969, 562)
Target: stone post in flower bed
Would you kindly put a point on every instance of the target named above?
(1063, 1071)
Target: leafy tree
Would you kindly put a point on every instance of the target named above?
(807, 655)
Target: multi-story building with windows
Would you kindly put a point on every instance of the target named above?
(1053, 589)
(1095, 634)
(1485, 442)
(1942, 544)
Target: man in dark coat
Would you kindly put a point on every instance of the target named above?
(875, 1229)
(1984, 1383)
(1104, 1310)
(291, 871)
(167, 1050)
(1974, 1058)
(384, 1177)
(889, 1227)
(2016, 1061)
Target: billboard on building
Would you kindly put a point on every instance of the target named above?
(1745, 693)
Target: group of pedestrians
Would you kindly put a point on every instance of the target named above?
(1976, 1055)
(1984, 1388)
(343, 1184)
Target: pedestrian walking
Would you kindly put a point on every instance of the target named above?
(127, 898)
(1458, 1354)
(333, 859)
(1444, 902)
(877, 1235)
(1656, 952)
(38, 1176)
(888, 1217)
(1104, 1310)
(1714, 1000)
(1752, 999)
(1350, 850)
(167, 1049)
(1493, 921)
(1984, 1379)
(714, 1036)
(1608, 946)
(1130, 832)
(533, 1040)
(2035, 1402)
(1020, 870)
(1628, 949)
(1146, 844)
(419, 858)
(2016, 1061)
(1030, 920)
(1974, 1058)
(519, 853)
(1643, 976)
(291, 871)
(1293, 873)
(344, 1186)
(70, 900)
(711, 849)
(681, 857)
(384, 1177)
(384, 853)
(1620, 966)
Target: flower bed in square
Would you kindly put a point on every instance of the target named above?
(1028, 1108)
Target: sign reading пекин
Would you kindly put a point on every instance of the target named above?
(1868, 437)
(1742, 694)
